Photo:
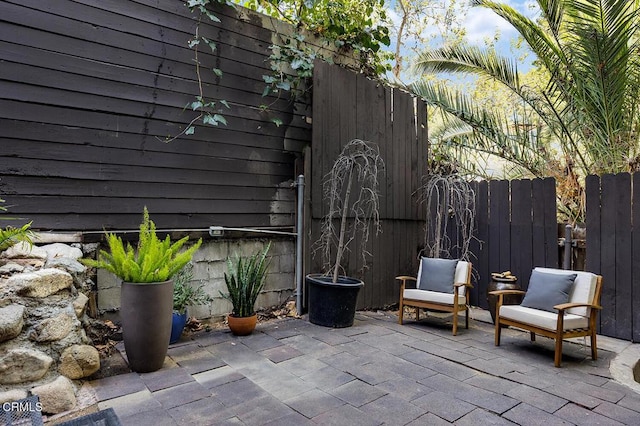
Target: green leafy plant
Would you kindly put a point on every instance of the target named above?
(185, 294)
(245, 280)
(10, 235)
(154, 260)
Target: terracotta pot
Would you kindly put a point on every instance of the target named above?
(146, 314)
(242, 326)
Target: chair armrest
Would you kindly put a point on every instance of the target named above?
(406, 277)
(463, 284)
(564, 306)
(499, 292)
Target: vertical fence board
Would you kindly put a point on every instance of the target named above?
(550, 223)
(593, 215)
(623, 295)
(481, 246)
(608, 256)
(521, 229)
(635, 259)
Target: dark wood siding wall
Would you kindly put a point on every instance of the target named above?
(516, 230)
(90, 88)
(348, 106)
(613, 245)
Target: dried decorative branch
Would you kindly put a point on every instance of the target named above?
(448, 198)
(355, 171)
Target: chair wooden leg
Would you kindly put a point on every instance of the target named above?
(466, 317)
(594, 346)
(417, 314)
(400, 313)
(557, 359)
(533, 336)
(497, 332)
(455, 321)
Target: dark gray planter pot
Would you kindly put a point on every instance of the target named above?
(146, 315)
(332, 304)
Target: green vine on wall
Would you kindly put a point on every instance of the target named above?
(208, 109)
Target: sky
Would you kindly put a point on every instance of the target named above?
(481, 24)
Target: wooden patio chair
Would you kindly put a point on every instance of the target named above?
(441, 285)
(558, 304)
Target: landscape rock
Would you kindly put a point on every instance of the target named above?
(79, 361)
(11, 322)
(23, 250)
(11, 268)
(23, 365)
(12, 395)
(41, 283)
(58, 250)
(56, 396)
(72, 266)
(53, 328)
(80, 305)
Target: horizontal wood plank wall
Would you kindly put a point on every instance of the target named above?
(90, 88)
(348, 106)
(515, 231)
(612, 247)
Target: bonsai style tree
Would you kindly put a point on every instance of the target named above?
(352, 190)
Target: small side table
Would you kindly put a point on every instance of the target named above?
(506, 283)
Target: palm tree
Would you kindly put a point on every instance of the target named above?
(587, 107)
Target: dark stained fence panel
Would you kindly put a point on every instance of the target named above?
(89, 91)
(348, 106)
(613, 214)
(515, 230)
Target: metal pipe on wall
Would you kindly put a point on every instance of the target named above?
(299, 242)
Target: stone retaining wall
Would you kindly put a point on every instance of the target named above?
(44, 348)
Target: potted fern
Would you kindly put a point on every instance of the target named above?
(245, 279)
(184, 294)
(146, 294)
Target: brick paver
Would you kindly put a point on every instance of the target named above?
(291, 372)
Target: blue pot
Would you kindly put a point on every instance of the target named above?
(179, 320)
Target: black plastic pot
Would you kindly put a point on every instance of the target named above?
(146, 314)
(332, 304)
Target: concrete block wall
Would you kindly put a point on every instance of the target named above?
(209, 266)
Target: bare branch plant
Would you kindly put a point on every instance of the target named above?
(352, 190)
(448, 198)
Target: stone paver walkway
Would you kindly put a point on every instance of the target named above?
(291, 372)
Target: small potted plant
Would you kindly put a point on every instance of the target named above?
(184, 295)
(146, 294)
(245, 279)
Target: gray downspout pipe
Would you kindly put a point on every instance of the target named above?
(567, 247)
(299, 243)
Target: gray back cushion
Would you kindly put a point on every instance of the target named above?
(547, 290)
(437, 274)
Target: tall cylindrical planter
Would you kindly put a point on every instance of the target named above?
(146, 315)
(332, 304)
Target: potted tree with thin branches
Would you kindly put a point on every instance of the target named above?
(351, 188)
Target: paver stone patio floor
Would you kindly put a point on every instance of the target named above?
(291, 372)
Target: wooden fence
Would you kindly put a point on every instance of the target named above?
(89, 89)
(347, 106)
(516, 230)
(613, 247)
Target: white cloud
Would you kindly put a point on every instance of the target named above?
(483, 23)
